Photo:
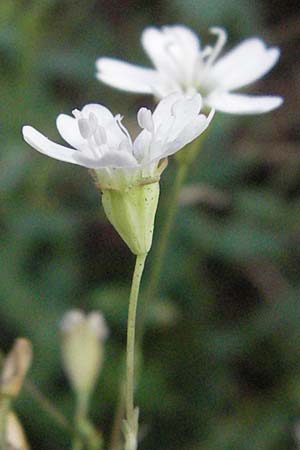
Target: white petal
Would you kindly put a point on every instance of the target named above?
(245, 64)
(158, 47)
(173, 113)
(172, 49)
(126, 76)
(184, 34)
(141, 145)
(185, 110)
(116, 159)
(69, 131)
(49, 148)
(163, 109)
(184, 48)
(150, 148)
(243, 104)
(195, 128)
(102, 113)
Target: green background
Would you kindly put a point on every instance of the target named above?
(221, 366)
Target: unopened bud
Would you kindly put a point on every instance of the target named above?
(15, 368)
(82, 347)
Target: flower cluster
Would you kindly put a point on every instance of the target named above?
(187, 79)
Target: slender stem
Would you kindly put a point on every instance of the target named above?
(5, 404)
(131, 422)
(47, 406)
(115, 437)
(136, 281)
(184, 161)
(151, 289)
(82, 404)
(4, 410)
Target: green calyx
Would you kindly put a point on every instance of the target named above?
(132, 213)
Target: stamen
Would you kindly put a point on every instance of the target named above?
(96, 149)
(221, 41)
(100, 135)
(119, 119)
(93, 122)
(84, 128)
(144, 118)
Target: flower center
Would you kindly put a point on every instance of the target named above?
(91, 131)
(97, 136)
(204, 82)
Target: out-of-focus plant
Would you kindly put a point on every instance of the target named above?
(218, 346)
(13, 372)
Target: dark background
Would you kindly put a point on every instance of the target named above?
(222, 346)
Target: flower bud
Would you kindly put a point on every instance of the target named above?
(132, 213)
(15, 368)
(15, 436)
(82, 348)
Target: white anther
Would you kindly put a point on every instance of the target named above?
(100, 135)
(144, 118)
(93, 122)
(84, 128)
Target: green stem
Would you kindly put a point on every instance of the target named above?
(80, 419)
(184, 160)
(131, 417)
(115, 437)
(45, 404)
(5, 404)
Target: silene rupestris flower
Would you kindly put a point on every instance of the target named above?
(127, 171)
(182, 64)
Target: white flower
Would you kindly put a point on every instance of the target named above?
(181, 64)
(100, 141)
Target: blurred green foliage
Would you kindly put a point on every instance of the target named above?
(221, 363)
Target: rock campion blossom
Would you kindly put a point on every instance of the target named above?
(181, 65)
(100, 141)
(126, 171)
